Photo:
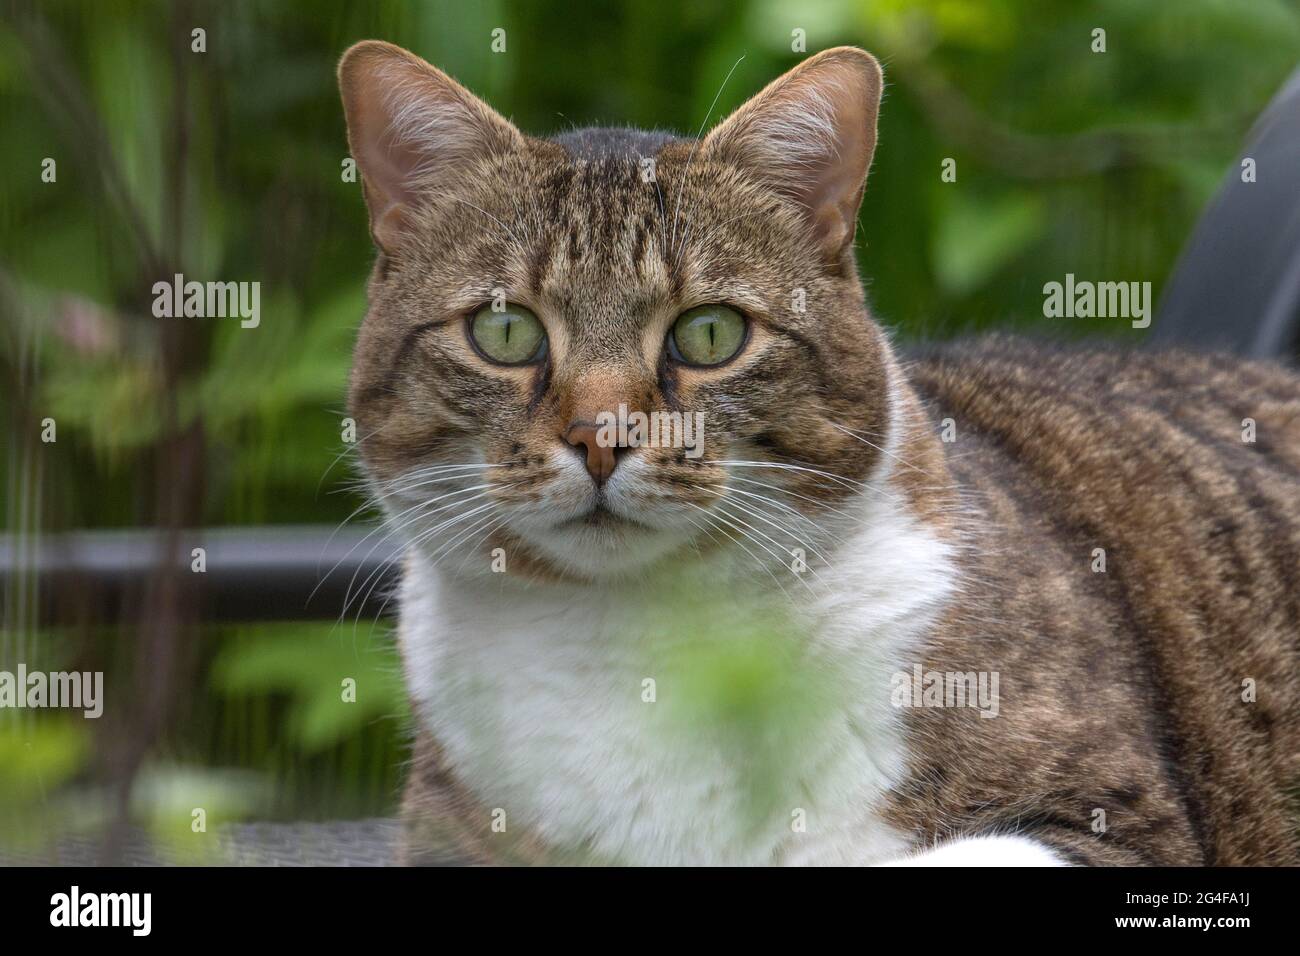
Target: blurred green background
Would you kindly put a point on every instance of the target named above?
(226, 164)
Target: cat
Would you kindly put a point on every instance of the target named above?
(992, 603)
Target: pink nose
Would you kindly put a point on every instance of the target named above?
(600, 459)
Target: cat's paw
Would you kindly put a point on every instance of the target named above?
(984, 851)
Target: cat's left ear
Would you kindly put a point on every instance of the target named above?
(810, 134)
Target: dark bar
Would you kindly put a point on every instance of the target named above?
(253, 574)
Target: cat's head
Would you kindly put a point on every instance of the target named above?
(527, 289)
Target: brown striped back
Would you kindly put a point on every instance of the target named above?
(1126, 690)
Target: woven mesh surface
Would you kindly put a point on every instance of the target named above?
(335, 843)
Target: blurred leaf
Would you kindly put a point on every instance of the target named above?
(165, 797)
(310, 664)
(129, 80)
(37, 758)
(977, 236)
(744, 691)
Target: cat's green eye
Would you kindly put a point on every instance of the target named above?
(707, 335)
(511, 337)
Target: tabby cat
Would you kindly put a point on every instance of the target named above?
(992, 604)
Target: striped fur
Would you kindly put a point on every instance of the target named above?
(1121, 691)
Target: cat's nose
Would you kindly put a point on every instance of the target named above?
(601, 458)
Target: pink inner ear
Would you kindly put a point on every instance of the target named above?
(390, 156)
(837, 190)
(388, 227)
(388, 168)
(831, 183)
(811, 135)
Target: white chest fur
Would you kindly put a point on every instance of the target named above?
(536, 695)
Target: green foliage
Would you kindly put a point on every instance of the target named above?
(743, 693)
(37, 759)
(166, 796)
(977, 237)
(310, 664)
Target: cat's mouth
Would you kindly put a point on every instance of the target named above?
(625, 524)
(600, 517)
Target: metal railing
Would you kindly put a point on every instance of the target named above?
(249, 574)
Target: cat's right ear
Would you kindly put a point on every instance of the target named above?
(410, 128)
(810, 135)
